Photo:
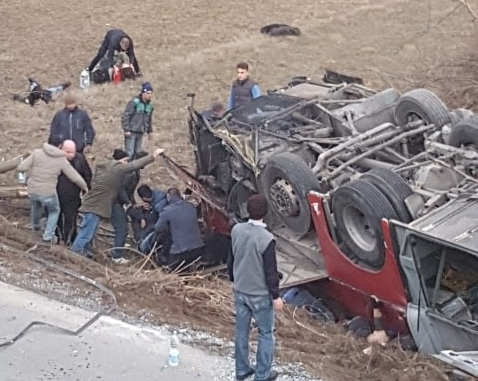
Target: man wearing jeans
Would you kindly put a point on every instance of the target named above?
(43, 167)
(253, 269)
(105, 186)
(137, 120)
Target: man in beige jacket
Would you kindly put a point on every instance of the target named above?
(43, 167)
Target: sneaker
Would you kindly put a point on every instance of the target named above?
(272, 376)
(248, 374)
(52, 241)
(120, 261)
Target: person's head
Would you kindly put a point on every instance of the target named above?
(120, 155)
(69, 147)
(70, 102)
(125, 43)
(257, 207)
(55, 141)
(242, 71)
(173, 193)
(145, 193)
(127, 72)
(217, 108)
(146, 91)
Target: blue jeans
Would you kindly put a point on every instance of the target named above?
(133, 143)
(52, 205)
(119, 220)
(89, 225)
(261, 309)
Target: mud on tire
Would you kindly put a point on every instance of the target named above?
(359, 208)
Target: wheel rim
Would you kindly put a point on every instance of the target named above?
(415, 117)
(359, 228)
(284, 198)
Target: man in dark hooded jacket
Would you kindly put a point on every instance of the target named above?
(115, 42)
(73, 123)
(69, 193)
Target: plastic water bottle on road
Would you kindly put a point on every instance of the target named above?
(173, 358)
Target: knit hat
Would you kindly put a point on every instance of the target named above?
(70, 99)
(119, 154)
(257, 206)
(145, 87)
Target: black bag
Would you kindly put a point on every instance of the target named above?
(100, 76)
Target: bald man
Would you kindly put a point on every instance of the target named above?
(69, 193)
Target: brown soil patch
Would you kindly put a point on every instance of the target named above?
(185, 46)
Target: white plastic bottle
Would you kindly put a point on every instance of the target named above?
(21, 176)
(173, 357)
(85, 79)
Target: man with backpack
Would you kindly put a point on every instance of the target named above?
(137, 120)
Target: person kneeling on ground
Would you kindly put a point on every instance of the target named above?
(184, 244)
(143, 217)
(116, 53)
(105, 186)
(44, 166)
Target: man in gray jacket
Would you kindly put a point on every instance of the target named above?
(43, 167)
(253, 269)
(137, 120)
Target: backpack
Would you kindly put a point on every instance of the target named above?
(100, 76)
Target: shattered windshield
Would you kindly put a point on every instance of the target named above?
(449, 277)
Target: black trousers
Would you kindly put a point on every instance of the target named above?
(182, 260)
(67, 222)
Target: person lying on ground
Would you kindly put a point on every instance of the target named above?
(116, 50)
(69, 194)
(179, 228)
(36, 92)
(97, 204)
(43, 167)
(73, 123)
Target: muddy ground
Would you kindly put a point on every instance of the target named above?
(192, 46)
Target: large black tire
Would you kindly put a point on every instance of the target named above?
(464, 133)
(393, 187)
(425, 105)
(286, 180)
(359, 208)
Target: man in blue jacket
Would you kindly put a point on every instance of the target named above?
(244, 88)
(143, 217)
(73, 123)
(179, 219)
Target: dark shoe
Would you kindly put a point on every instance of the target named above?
(243, 377)
(272, 376)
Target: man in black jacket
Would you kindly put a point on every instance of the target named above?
(73, 123)
(69, 193)
(117, 46)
